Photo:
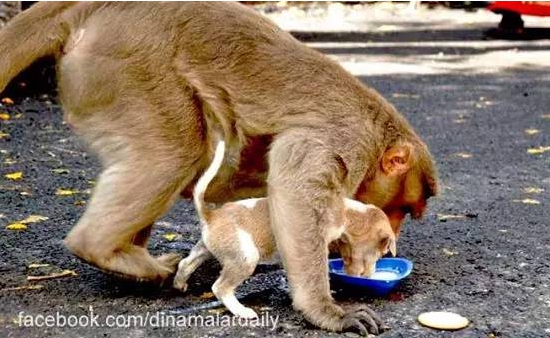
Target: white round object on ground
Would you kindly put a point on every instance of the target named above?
(443, 320)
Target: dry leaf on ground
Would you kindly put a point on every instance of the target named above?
(66, 192)
(533, 190)
(64, 273)
(170, 237)
(16, 227)
(33, 219)
(14, 176)
(531, 131)
(527, 201)
(539, 150)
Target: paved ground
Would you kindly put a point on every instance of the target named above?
(482, 251)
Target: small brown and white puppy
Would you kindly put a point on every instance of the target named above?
(239, 236)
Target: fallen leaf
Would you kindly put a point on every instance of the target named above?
(207, 295)
(217, 311)
(14, 176)
(64, 273)
(170, 237)
(459, 120)
(532, 131)
(60, 171)
(533, 190)
(66, 192)
(2, 135)
(7, 100)
(17, 116)
(527, 201)
(445, 217)
(25, 193)
(449, 252)
(412, 96)
(79, 203)
(4, 116)
(33, 219)
(24, 287)
(16, 227)
(464, 155)
(10, 161)
(539, 150)
(38, 265)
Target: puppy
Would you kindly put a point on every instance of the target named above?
(238, 235)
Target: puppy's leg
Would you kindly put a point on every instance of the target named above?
(234, 272)
(198, 255)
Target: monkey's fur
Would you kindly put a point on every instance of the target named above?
(145, 83)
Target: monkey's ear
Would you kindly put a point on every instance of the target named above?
(397, 160)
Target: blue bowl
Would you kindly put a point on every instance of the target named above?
(400, 268)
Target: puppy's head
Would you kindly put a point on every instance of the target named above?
(368, 235)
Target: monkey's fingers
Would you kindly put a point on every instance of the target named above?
(365, 317)
(372, 314)
(354, 325)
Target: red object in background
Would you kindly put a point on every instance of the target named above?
(538, 8)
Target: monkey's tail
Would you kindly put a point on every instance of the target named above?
(36, 32)
(206, 178)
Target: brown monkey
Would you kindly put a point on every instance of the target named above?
(239, 236)
(145, 83)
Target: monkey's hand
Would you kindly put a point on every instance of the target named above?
(363, 320)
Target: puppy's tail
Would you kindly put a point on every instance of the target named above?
(36, 32)
(206, 178)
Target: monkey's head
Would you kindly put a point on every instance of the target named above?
(368, 236)
(402, 182)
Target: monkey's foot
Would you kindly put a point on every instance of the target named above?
(131, 263)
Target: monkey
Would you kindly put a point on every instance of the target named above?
(144, 84)
(239, 236)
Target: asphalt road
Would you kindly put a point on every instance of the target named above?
(482, 251)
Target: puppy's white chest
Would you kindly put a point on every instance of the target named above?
(247, 246)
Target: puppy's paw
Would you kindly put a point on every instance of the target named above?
(180, 284)
(246, 312)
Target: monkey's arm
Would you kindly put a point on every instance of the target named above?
(305, 198)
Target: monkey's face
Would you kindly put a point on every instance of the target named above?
(397, 196)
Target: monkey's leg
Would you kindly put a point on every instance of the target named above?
(198, 255)
(305, 198)
(126, 201)
(234, 272)
(146, 166)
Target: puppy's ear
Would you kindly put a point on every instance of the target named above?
(388, 244)
(393, 246)
(397, 160)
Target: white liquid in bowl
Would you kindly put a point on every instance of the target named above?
(384, 275)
